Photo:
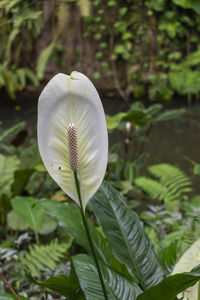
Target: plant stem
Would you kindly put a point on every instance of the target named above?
(89, 235)
(9, 286)
(36, 238)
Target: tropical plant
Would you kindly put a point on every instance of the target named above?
(130, 246)
(39, 258)
(170, 185)
(126, 159)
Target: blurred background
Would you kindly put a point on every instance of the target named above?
(138, 48)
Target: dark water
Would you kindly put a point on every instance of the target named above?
(169, 141)
(175, 141)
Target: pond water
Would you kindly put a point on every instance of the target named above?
(169, 141)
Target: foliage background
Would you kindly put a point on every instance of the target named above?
(146, 48)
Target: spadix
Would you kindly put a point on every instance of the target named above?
(72, 134)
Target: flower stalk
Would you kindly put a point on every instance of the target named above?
(89, 235)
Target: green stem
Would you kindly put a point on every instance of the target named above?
(89, 235)
(36, 237)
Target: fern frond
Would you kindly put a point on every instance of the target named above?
(39, 258)
(170, 183)
(153, 188)
(173, 178)
(43, 59)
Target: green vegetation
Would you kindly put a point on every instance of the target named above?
(39, 234)
(147, 48)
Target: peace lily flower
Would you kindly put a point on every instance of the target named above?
(72, 134)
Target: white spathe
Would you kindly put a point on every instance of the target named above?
(66, 100)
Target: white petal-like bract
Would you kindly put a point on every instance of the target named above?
(73, 100)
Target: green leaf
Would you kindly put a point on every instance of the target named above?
(29, 211)
(167, 257)
(171, 286)
(49, 225)
(183, 3)
(69, 217)
(14, 221)
(8, 165)
(196, 6)
(153, 109)
(11, 132)
(114, 121)
(43, 60)
(32, 76)
(170, 114)
(39, 258)
(7, 296)
(126, 236)
(117, 287)
(196, 169)
(61, 284)
(21, 178)
(137, 117)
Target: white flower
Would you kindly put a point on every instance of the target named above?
(65, 102)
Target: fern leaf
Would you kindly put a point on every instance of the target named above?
(170, 183)
(43, 60)
(38, 258)
(32, 76)
(153, 188)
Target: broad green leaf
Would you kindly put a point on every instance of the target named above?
(78, 295)
(21, 178)
(193, 4)
(7, 296)
(8, 165)
(170, 114)
(126, 236)
(69, 217)
(14, 221)
(61, 284)
(29, 211)
(137, 117)
(117, 287)
(183, 3)
(170, 287)
(167, 257)
(49, 225)
(114, 121)
(196, 6)
(187, 262)
(11, 132)
(153, 109)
